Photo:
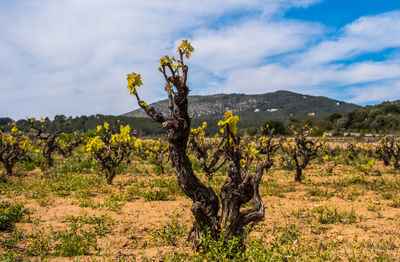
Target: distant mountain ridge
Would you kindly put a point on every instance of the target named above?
(323, 113)
(275, 105)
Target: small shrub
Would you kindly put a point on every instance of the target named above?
(27, 165)
(387, 195)
(76, 240)
(168, 184)
(395, 203)
(318, 192)
(221, 249)
(132, 193)
(65, 184)
(328, 216)
(10, 214)
(75, 166)
(169, 233)
(374, 208)
(157, 195)
(272, 188)
(114, 202)
(83, 202)
(102, 225)
(357, 180)
(39, 244)
(11, 256)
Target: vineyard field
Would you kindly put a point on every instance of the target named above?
(68, 212)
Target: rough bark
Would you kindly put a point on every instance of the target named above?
(8, 169)
(11, 153)
(298, 176)
(110, 176)
(396, 155)
(386, 149)
(208, 164)
(49, 140)
(301, 151)
(239, 187)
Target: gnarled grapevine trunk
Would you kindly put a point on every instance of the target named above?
(298, 175)
(49, 141)
(8, 168)
(302, 150)
(239, 188)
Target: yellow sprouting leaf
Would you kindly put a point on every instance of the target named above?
(166, 60)
(243, 162)
(371, 162)
(228, 114)
(186, 48)
(231, 121)
(134, 80)
(14, 129)
(233, 124)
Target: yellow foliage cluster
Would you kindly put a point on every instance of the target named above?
(66, 140)
(167, 61)
(186, 48)
(150, 148)
(249, 152)
(94, 145)
(199, 132)
(230, 121)
(97, 143)
(15, 139)
(134, 80)
(123, 137)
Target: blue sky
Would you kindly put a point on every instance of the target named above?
(338, 13)
(71, 56)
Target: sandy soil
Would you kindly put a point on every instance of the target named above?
(132, 234)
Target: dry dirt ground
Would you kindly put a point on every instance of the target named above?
(348, 215)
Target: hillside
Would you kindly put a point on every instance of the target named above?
(381, 118)
(276, 105)
(253, 111)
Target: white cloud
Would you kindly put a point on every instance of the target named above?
(317, 70)
(369, 71)
(365, 35)
(70, 57)
(327, 80)
(386, 91)
(249, 43)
